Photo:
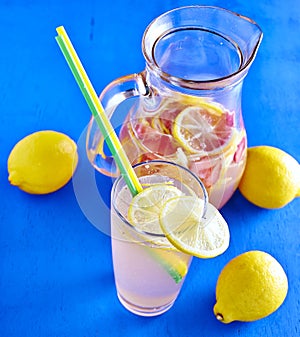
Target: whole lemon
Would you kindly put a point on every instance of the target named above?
(251, 286)
(42, 162)
(271, 178)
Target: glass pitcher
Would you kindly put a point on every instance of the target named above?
(185, 106)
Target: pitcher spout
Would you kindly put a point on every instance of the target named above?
(221, 44)
(247, 35)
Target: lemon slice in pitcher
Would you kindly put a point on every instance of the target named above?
(205, 129)
(182, 222)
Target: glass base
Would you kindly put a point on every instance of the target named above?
(144, 311)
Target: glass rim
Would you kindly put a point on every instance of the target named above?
(196, 84)
(120, 178)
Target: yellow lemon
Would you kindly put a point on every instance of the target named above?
(250, 287)
(271, 178)
(42, 162)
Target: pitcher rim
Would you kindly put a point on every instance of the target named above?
(200, 84)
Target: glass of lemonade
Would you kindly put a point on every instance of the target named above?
(149, 272)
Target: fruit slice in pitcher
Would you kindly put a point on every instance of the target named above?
(153, 139)
(205, 130)
(208, 169)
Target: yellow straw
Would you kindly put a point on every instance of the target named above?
(98, 111)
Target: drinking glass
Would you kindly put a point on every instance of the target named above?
(149, 272)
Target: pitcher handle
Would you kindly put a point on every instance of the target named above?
(115, 93)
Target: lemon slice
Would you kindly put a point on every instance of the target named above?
(171, 262)
(143, 213)
(145, 207)
(182, 222)
(189, 100)
(205, 129)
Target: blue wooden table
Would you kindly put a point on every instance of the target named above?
(56, 275)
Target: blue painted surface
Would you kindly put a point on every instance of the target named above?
(56, 275)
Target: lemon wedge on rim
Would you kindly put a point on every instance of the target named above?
(182, 223)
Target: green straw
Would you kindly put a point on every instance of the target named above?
(98, 112)
(110, 136)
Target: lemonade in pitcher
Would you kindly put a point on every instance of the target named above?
(188, 98)
(197, 134)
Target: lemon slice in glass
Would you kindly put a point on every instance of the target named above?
(182, 221)
(145, 207)
(143, 213)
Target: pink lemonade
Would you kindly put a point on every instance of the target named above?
(187, 100)
(149, 271)
(211, 142)
(143, 284)
(145, 281)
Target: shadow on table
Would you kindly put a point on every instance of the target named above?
(92, 190)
